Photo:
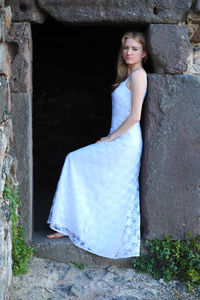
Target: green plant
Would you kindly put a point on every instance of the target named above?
(77, 265)
(172, 260)
(21, 253)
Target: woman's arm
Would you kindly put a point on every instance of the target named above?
(137, 85)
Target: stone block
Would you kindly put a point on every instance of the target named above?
(20, 48)
(168, 47)
(2, 176)
(21, 148)
(116, 11)
(5, 21)
(6, 170)
(7, 165)
(197, 6)
(2, 3)
(26, 11)
(196, 36)
(8, 129)
(196, 65)
(4, 107)
(3, 144)
(63, 250)
(5, 253)
(4, 60)
(170, 190)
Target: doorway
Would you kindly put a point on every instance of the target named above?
(74, 68)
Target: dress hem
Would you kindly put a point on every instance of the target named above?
(70, 236)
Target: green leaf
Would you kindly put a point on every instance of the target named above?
(21, 253)
(172, 259)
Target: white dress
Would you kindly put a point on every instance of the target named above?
(96, 202)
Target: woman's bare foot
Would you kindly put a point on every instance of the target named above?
(56, 235)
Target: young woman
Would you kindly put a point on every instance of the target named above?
(96, 202)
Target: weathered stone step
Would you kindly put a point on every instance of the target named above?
(63, 250)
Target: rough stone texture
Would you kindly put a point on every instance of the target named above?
(20, 48)
(5, 251)
(5, 21)
(197, 6)
(25, 10)
(4, 60)
(4, 109)
(6, 160)
(62, 250)
(22, 150)
(196, 65)
(193, 22)
(168, 47)
(193, 18)
(196, 36)
(3, 144)
(170, 170)
(8, 132)
(49, 280)
(194, 61)
(5, 166)
(2, 3)
(169, 11)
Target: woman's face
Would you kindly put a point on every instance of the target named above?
(132, 52)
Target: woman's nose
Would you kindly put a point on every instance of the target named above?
(129, 51)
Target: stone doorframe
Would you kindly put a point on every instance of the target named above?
(171, 143)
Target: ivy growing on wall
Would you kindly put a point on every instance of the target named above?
(21, 253)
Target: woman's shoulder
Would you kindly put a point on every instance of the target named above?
(138, 78)
(138, 75)
(137, 72)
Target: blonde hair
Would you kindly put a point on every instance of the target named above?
(122, 69)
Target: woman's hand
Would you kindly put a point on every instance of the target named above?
(105, 139)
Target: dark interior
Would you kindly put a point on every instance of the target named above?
(73, 70)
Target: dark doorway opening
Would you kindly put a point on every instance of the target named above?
(73, 70)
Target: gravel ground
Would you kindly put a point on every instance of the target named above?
(49, 280)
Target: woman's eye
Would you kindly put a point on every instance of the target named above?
(127, 48)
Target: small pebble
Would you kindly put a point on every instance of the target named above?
(76, 290)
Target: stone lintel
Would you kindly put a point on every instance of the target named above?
(91, 11)
(26, 11)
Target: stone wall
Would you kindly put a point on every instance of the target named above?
(19, 42)
(170, 191)
(169, 174)
(7, 163)
(170, 168)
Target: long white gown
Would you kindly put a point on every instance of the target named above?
(96, 202)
